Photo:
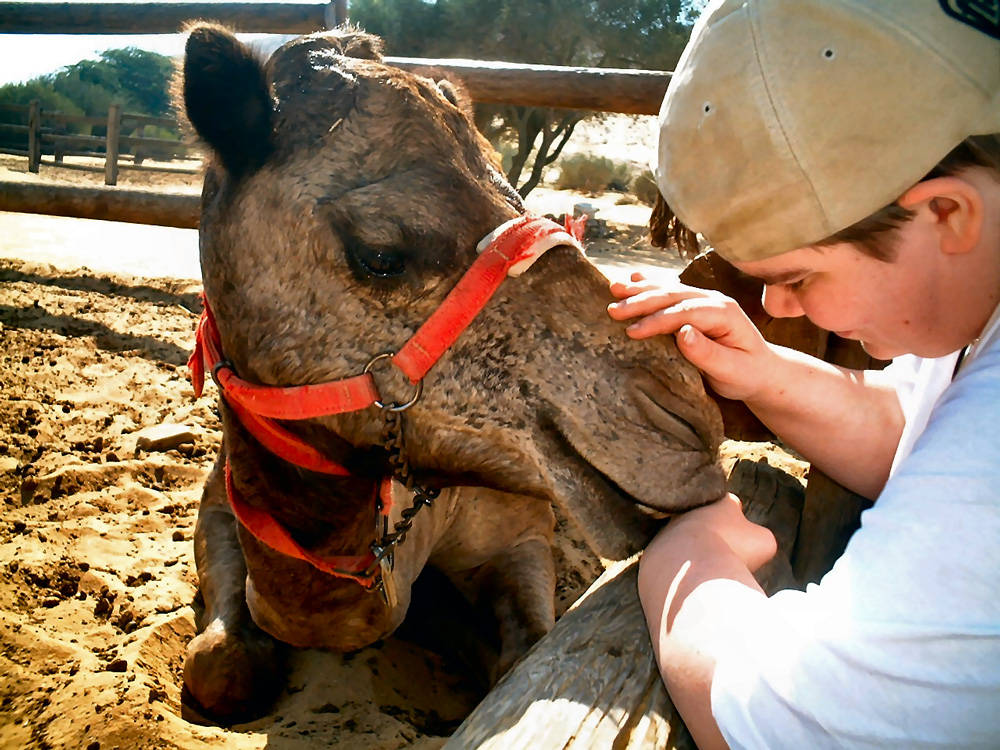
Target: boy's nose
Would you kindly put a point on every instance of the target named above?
(780, 302)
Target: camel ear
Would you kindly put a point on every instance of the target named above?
(226, 98)
(457, 94)
(356, 43)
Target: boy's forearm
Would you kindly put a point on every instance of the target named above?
(679, 561)
(845, 422)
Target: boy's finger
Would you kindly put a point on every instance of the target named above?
(709, 356)
(628, 289)
(649, 301)
(705, 314)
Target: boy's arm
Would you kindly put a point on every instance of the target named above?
(688, 618)
(846, 422)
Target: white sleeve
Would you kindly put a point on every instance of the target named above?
(899, 645)
(902, 374)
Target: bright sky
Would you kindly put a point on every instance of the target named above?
(25, 56)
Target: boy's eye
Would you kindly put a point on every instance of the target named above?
(794, 286)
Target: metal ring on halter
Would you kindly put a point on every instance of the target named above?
(218, 366)
(419, 388)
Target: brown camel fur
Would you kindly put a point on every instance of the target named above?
(343, 201)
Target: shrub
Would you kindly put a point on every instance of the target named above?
(592, 174)
(644, 187)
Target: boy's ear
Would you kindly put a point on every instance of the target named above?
(953, 206)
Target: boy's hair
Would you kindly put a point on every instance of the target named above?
(873, 236)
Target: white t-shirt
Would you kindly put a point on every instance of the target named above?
(899, 644)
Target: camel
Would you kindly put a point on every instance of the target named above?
(343, 201)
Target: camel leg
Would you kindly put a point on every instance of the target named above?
(520, 581)
(498, 552)
(231, 668)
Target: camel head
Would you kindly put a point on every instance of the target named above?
(344, 199)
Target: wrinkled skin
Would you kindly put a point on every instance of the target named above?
(344, 200)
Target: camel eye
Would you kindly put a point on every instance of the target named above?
(371, 261)
(378, 262)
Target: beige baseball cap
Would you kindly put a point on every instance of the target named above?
(789, 120)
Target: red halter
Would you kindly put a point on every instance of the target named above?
(507, 251)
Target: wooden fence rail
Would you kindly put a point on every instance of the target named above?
(111, 204)
(165, 18)
(622, 90)
(61, 143)
(601, 89)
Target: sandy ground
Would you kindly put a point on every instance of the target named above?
(97, 580)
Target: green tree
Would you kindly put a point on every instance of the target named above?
(598, 33)
(144, 76)
(136, 79)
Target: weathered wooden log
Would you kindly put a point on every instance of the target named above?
(98, 141)
(112, 204)
(636, 92)
(830, 517)
(592, 682)
(599, 89)
(100, 168)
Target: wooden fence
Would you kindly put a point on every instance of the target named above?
(598, 89)
(48, 132)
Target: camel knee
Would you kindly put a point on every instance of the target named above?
(232, 673)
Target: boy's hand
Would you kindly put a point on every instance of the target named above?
(753, 544)
(712, 332)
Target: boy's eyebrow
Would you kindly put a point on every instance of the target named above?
(780, 277)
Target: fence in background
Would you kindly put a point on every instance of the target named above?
(599, 89)
(47, 132)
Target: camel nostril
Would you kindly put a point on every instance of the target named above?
(664, 419)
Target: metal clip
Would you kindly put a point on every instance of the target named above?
(386, 584)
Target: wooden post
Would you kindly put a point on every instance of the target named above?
(111, 149)
(34, 135)
(335, 13)
(590, 683)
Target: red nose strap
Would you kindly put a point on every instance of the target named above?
(510, 250)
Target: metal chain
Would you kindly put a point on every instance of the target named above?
(392, 440)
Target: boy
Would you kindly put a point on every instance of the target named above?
(845, 152)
